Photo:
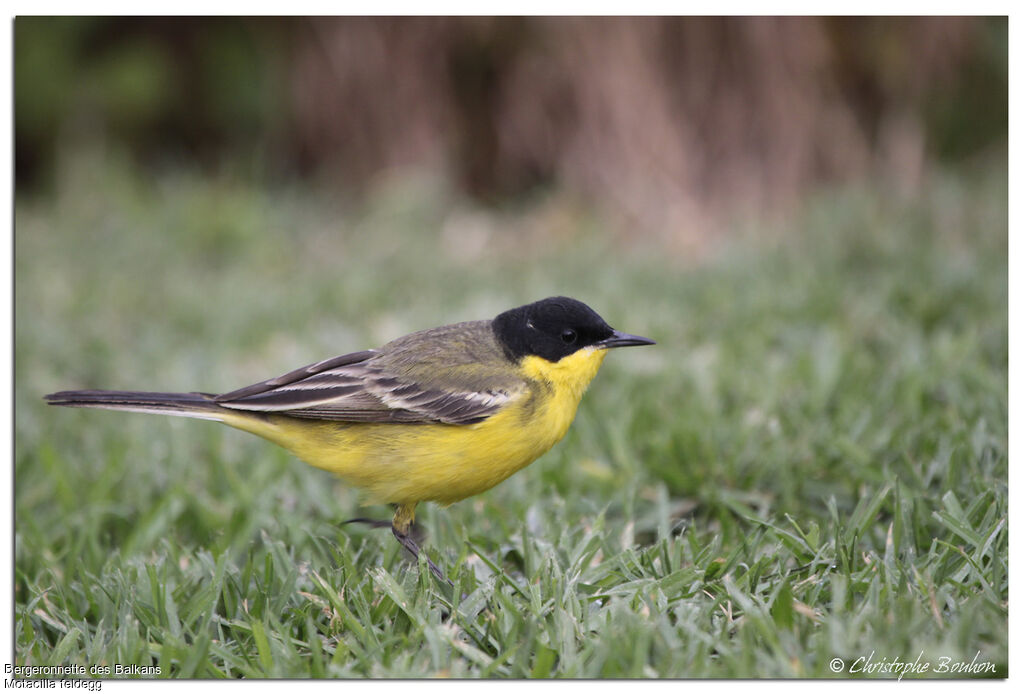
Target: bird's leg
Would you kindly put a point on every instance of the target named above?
(373, 523)
(401, 528)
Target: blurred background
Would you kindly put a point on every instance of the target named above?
(671, 127)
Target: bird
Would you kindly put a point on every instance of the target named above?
(437, 416)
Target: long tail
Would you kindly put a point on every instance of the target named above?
(197, 405)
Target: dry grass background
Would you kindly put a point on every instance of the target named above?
(671, 127)
(667, 122)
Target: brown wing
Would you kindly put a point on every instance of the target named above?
(426, 377)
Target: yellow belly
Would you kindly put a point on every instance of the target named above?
(408, 463)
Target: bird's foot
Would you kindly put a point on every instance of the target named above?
(405, 539)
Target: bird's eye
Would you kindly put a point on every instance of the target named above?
(568, 336)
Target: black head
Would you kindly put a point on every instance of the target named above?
(556, 327)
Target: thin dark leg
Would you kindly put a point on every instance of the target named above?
(414, 549)
(369, 521)
(401, 528)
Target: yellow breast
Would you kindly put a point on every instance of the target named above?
(406, 463)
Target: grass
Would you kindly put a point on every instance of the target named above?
(811, 464)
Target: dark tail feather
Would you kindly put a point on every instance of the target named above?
(198, 405)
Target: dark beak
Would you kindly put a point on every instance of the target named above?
(618, 339)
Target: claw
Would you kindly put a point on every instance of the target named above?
(403, 528)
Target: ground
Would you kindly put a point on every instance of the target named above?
(811, 464)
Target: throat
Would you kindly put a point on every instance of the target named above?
(557, 388)
(569, 376)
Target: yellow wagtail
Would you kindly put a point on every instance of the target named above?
(438, 415)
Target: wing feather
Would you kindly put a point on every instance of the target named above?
(297, 375)
(396, 384)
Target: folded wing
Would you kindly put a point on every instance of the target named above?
(380, 386)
